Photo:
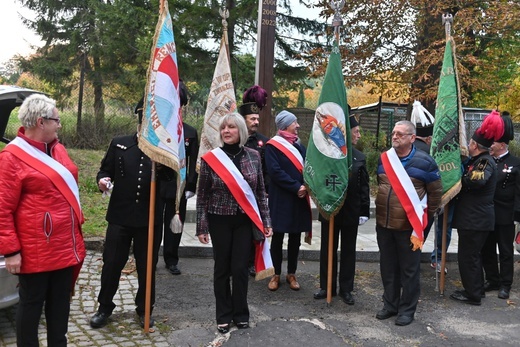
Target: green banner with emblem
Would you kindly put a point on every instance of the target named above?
(328, 154)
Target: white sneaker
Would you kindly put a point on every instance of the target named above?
(437, 266)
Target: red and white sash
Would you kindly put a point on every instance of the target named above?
(243, 194)
(58, 174)
(296, 158)
(403, 187)
(288, 150)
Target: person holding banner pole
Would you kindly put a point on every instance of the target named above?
(409, 193)
(474, 216)
(354, 212)
(125, 173)
(232, 209)
(288, 199)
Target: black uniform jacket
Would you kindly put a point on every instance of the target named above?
(507, 192)
(130, 171)
(357, 202)
(191, 144)
(474, 208)
(257, 142)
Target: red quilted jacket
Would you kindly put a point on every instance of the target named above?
(35, 218)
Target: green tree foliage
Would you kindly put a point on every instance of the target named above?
(110, 41)
(404, 40)
(107, 39)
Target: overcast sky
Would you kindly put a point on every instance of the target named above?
(15, 38)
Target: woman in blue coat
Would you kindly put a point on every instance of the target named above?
(288, 200)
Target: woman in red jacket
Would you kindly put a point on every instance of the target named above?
(40, 221)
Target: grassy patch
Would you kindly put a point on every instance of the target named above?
(93, 204)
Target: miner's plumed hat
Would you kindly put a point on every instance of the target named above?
(491, 130)
(509, 131)
(254, 99)
(422, 119)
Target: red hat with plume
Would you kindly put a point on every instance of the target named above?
(491, 130)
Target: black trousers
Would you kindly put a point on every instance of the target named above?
(115, 255)
(347, 261)
(52, 289)
(469, 257)
(172, 241)
(400, 270)
(231, 237)
(503, 236)
(293, 248)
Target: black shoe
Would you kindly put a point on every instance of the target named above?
(503, 293)
(141, 321)
(174, 270)
(385, 314)
(99, 320)
(252, 271)
(488, 286)
(461, 296)
(242, 325)
(347, 298)
(322, 294)
(223, 328)
(403, 320)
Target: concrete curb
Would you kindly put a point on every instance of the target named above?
(96, 244)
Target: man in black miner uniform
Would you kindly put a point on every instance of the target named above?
(129, 170)
(169, 190)
(354, 212)
(254, 99)
(507, 212)
(474, 216)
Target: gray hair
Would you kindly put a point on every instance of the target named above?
(35, 106)
(236, 119)
(409, 125)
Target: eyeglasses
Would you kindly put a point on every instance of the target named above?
(57, 120)
(398, 134)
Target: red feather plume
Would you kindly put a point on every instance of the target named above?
(492, 127)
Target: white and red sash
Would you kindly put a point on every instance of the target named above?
(296, 158)
(403, 187)
(58, 174)
(288, 150)
(243, 194)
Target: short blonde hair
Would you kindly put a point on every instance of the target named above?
(236, 119)
(35, 106)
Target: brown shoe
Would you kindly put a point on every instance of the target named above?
(293, 284)
(274, 283)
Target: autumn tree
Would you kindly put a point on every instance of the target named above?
(404, 39)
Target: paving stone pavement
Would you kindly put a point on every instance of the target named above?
(126, 333)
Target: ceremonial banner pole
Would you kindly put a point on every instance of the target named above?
(149, 254)
(161, 135)
(329, 151)
(449, 143)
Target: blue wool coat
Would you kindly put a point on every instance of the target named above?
(289, 214)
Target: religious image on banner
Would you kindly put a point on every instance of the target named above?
(326, 170)
(328, 131)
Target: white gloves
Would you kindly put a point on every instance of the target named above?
(362, 220)
(189, 194)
